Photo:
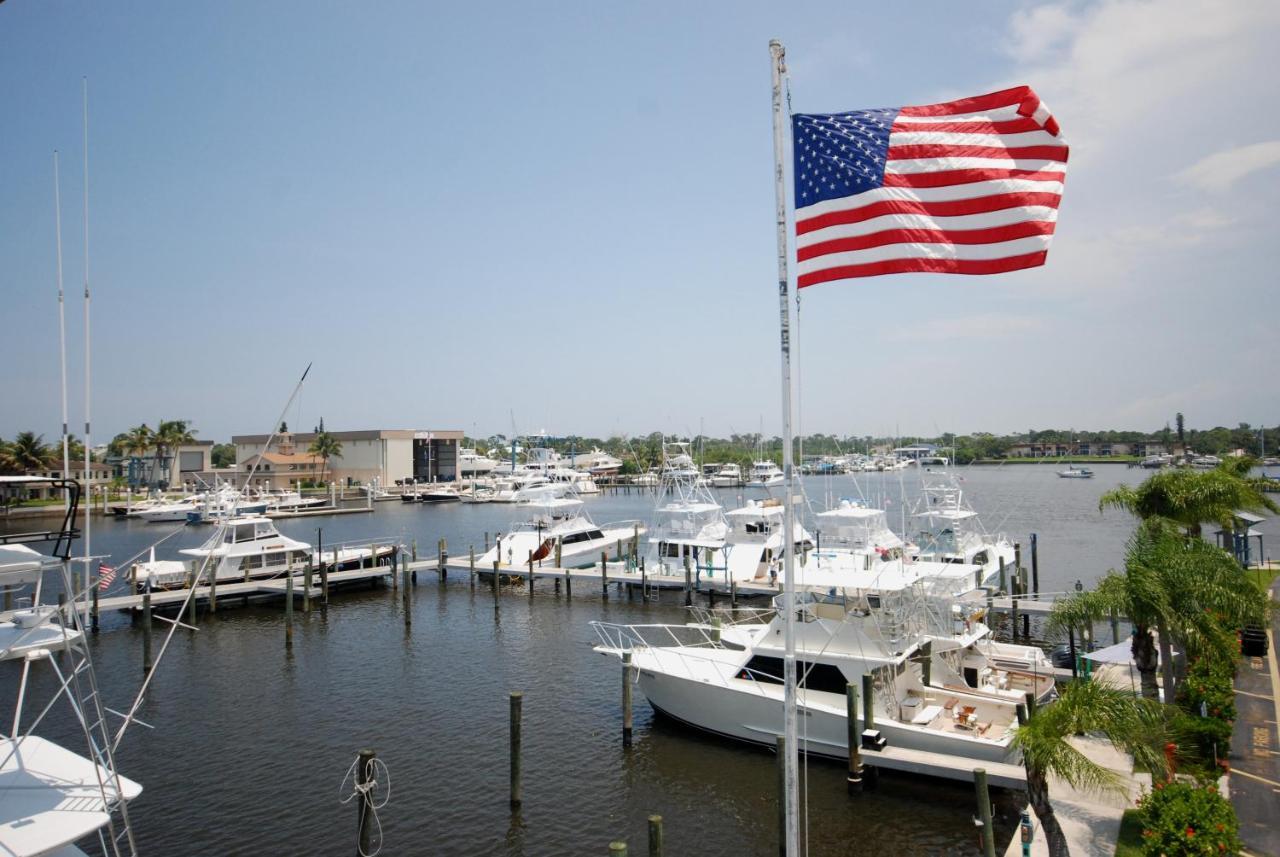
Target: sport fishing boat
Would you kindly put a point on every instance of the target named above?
(33, 626)
(689, 525)
(728, 476)
(949, 530)
(249, 548)
(556, 518)
(753, 546)
(937, 683)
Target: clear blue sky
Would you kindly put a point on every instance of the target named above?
(565, 210)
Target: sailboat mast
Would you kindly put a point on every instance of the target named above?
(791, 762)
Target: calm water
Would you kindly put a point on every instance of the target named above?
(251, 744)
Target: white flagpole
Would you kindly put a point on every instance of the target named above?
(791, 762)
(88, 493)
(62, 326)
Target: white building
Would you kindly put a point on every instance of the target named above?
(387, 455)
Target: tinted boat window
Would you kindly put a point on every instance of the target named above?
(824, 677)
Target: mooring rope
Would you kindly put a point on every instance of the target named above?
(361, 790)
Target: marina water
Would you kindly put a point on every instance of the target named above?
(251, 743)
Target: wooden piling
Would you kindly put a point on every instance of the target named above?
(559, 552)
(364, 809)
(306, 584)
(407, 602)
(1018, 571)
(517, 704)
(496, 563)
(617, 848)
(442, 558)
(93, 604)
(688, 583)
(984, 812)
(1004, 578)
(853, 736)
(926, 662)
(1035, 568)
(146, 630)
(626, 699)
(604, 575)
(868, 703)
(1029, 700)
(1115, 627)
(1013, 612)
(471, 563)
(288, 609)
(655, 836)
(733, 593)
(782, 795)
(213, 587)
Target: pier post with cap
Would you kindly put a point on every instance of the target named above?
(288, 609)
(146, 629)
(984, 812)
(617, 848)
(655, 836)
(516, 715)
(854, 778)
(604, 575)
(626, 699)
(1035, 568)
(364, 811)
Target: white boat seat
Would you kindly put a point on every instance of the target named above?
(927, 714)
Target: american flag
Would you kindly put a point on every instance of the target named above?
(106, 576)
(966, 187)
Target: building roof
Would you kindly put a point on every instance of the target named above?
(306, 437)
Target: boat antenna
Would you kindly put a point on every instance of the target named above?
(62, 328)
(88, 387)
(791, 791)
(276, 429)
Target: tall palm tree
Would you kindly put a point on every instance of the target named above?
(30, 452)
(1180, 587)
(169, 435)
(1134, 725)
(8, 461)
(1190, 497)
(326, 446)
(137, 440)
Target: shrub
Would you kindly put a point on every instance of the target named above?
(1184, 819)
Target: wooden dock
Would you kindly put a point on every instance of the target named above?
(945, 766)
(616, 571)
(276, 587)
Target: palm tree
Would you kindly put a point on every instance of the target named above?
(1134, 725)
(169, 435)
(30, 452)
(8, 461)
(326, 446)
(137, 440)
(1190, 497)
(1180, 587)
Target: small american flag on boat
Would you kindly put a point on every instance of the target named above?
(965, 187)
(106, 576)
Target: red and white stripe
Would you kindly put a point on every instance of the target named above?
(970, 187)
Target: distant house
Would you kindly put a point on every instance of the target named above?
(1103, 449)
(917, 451)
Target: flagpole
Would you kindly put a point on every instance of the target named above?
(791, 760)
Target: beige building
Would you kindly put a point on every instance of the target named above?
(385, 455)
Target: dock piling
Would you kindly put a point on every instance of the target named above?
(926, 662)
(146, 630)
(1004, 578)
(617, 848)
(868, 703)
(471, 562)
(655, 836)
(984, 812)
(1115, 627)
(854, 778)
(688, 583)
(1013, 612)
(626, 699)
(213, 588)
(404, 591)
(517, 713)
(306, 590)
(559, 552)
(1035, 568)
(442, 556)
(364, 816)
(604, 575)
(93, 604)
(288, 609)
(1019, 572)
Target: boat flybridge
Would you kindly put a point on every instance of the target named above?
(33, 626)
(728, 476)
(249, 548)
(52, 796)
(940, 684)
(689, 525)
(753, 546)
(949, 530)
(556, 517)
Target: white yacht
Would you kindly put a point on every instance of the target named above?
(1073, 472)
(728, 476)
(949, 530)
(555, 518)
(167, 512)
(244, 549)
(764, 474)
(688, 524)
(936, 682)
(471, 463)
(753, 545)
(598, 463)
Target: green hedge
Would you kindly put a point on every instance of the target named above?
(1184, 819)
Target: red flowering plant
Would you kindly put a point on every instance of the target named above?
(1184, 819)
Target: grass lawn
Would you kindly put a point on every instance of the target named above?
(1130, 842)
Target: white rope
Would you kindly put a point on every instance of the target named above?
(375, 772)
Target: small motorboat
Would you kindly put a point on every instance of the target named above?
(1074, 472)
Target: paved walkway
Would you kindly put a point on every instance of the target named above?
(1090, 821)
(1255, 748)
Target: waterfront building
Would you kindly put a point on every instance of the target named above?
(387, 455)
(1050, 449)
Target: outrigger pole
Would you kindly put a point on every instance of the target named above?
(791, 764)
